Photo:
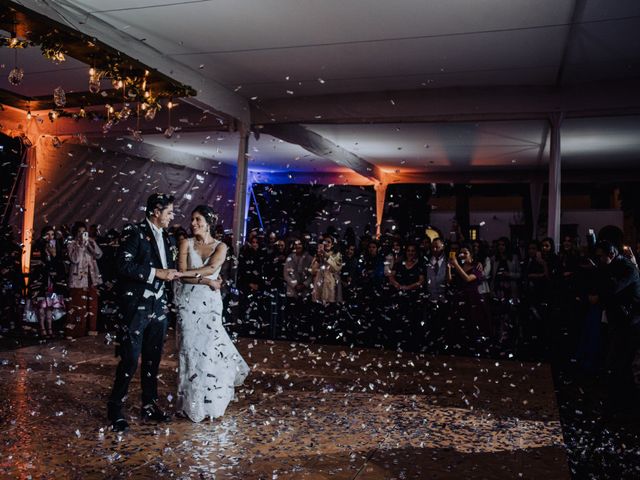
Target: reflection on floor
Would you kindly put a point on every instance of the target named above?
(305, 412)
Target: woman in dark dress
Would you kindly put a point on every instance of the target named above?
(407, 279)
(469, 322)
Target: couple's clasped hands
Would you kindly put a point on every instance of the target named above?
(171, 274)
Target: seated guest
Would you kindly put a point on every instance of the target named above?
(48, 279)
(84, 278)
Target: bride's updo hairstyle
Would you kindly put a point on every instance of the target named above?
(210, 216)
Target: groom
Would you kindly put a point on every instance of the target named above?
(145, 264)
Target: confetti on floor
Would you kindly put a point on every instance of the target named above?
(305, 412)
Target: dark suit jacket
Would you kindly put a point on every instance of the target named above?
(137, 254)
(619, 290)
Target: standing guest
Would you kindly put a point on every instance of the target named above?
(619, 294)
(296, 270)
(48, 279)
(437, 272)
(465, 274)
(480, 253)
(425, 246)
(407, 279)
(372, 269)
(437, 308)
(349, 273)
(325, 269)
(11, 279)
(394, 256)
(568, 319)
(251, 285)
(505, 267)
(297, 275)
(275, 286)
(84, 278)
(548, 248)
(535, 282)
(326, 289)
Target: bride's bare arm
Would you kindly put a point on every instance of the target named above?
(183, 254)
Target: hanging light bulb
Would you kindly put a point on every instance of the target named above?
(16, 74)
(29, 115)
(150, 114)
(94, 81)
(59, 97)
(124, 113)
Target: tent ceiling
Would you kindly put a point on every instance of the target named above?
(268, 48)
(282, 56)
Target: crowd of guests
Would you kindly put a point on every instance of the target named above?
(436, 296)
(430, 290)
(420, 294)
(71, 269)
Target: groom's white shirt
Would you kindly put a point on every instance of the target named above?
(157, 234)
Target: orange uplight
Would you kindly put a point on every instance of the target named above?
(29, 210)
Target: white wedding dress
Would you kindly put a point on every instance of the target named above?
(209, 363)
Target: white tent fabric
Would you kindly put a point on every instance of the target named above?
(76, 182)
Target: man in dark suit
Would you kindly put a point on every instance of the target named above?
(145, 265)
(618, 291)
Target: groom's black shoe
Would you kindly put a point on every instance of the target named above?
(151, 412)
(118, 423)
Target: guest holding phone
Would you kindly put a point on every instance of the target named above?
(84, 278)
(472, 327)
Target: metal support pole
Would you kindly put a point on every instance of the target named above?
(240, 205)
(555, 181)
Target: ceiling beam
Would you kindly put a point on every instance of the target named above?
(211, 93)
(475, 177)
(323, 147)
(454, 104)
(576, 15)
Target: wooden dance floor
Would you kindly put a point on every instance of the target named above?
(305, 412)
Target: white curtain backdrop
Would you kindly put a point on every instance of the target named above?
(95, 185)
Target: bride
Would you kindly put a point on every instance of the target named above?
(209, 364)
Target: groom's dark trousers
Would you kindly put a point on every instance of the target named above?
(143, 336)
